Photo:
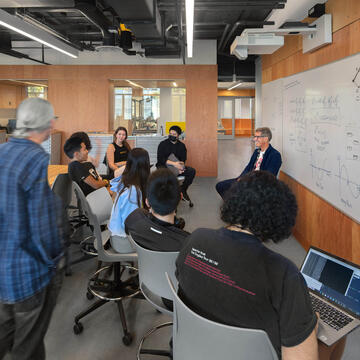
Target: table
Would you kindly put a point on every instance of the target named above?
(54, 170)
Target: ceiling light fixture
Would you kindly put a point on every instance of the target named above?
(235, 86)
(13, 23)
(189, 12)
(134, 84)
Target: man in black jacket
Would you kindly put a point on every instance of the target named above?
(172, 154)
(265, 157)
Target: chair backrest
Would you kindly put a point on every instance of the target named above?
(100, 204)
(152, 268)
(195, 337)
(62, 187)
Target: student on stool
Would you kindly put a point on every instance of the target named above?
(172, 153)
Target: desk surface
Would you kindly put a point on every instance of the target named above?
(54, 170)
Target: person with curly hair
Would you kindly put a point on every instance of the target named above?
(229, 276)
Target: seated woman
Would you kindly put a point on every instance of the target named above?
(130, 188)
(117, 152)
(229, 276)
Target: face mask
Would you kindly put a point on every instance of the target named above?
(172, 138)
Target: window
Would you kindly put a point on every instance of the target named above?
(36, 91)
(178, 104)
(122, 104)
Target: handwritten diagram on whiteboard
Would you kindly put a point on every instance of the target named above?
(321, 132)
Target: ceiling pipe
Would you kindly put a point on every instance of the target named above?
(46, 28)
(88, 10)
(294, 10)
(227, 27)
(181, 39)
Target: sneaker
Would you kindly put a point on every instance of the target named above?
(185, 196)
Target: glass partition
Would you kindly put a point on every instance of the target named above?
(149, 107)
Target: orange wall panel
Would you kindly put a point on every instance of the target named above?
(244, 92)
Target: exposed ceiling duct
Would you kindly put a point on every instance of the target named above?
(158, 27)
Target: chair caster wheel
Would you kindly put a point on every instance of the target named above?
(127, 339)
(78, 328)
(89, 295)
(191, 204)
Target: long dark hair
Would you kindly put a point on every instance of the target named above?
(136, 173)
(125, 143)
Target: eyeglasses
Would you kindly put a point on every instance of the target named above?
(258, 137)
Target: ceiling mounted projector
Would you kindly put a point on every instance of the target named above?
(267, 41)
(255, 44)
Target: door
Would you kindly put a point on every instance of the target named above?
(226, 118)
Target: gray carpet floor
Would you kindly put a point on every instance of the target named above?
(101, 338)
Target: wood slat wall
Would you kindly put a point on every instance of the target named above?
(319, 223)
(81, 96)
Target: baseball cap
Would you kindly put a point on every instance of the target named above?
(33, 114)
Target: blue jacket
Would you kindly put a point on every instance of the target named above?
(271, 161)
(124, 205)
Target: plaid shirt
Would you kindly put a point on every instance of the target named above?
(30, 238)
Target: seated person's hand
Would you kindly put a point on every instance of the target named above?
(119, 171)
(180, 166)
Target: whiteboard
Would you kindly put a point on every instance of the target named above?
(272, 111)
(321, 132)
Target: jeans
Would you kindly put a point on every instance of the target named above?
(23, 325)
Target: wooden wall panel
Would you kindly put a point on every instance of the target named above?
(80, 95)
(241, 92)
(9, 96)
(319, 223)
(344, 12)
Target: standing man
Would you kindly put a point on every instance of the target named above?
(31, 235)
(172, 153)
(265, 157)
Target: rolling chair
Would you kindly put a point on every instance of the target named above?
(195, 337)
(154, 286)
(63, 188)
(97, 207)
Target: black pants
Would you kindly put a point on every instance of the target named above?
(223, 186)
(23, 325)
(189, 174)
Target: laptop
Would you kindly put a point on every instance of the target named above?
(334, 286)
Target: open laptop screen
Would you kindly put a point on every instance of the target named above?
(333, 278)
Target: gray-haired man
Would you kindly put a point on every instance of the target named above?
(31, 235)
(265, 157)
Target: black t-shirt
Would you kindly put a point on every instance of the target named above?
(80, 171)
(121, 153)
(154, 234)
(166, 148)
(232, 278)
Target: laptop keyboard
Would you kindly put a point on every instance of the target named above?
(334, 318)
